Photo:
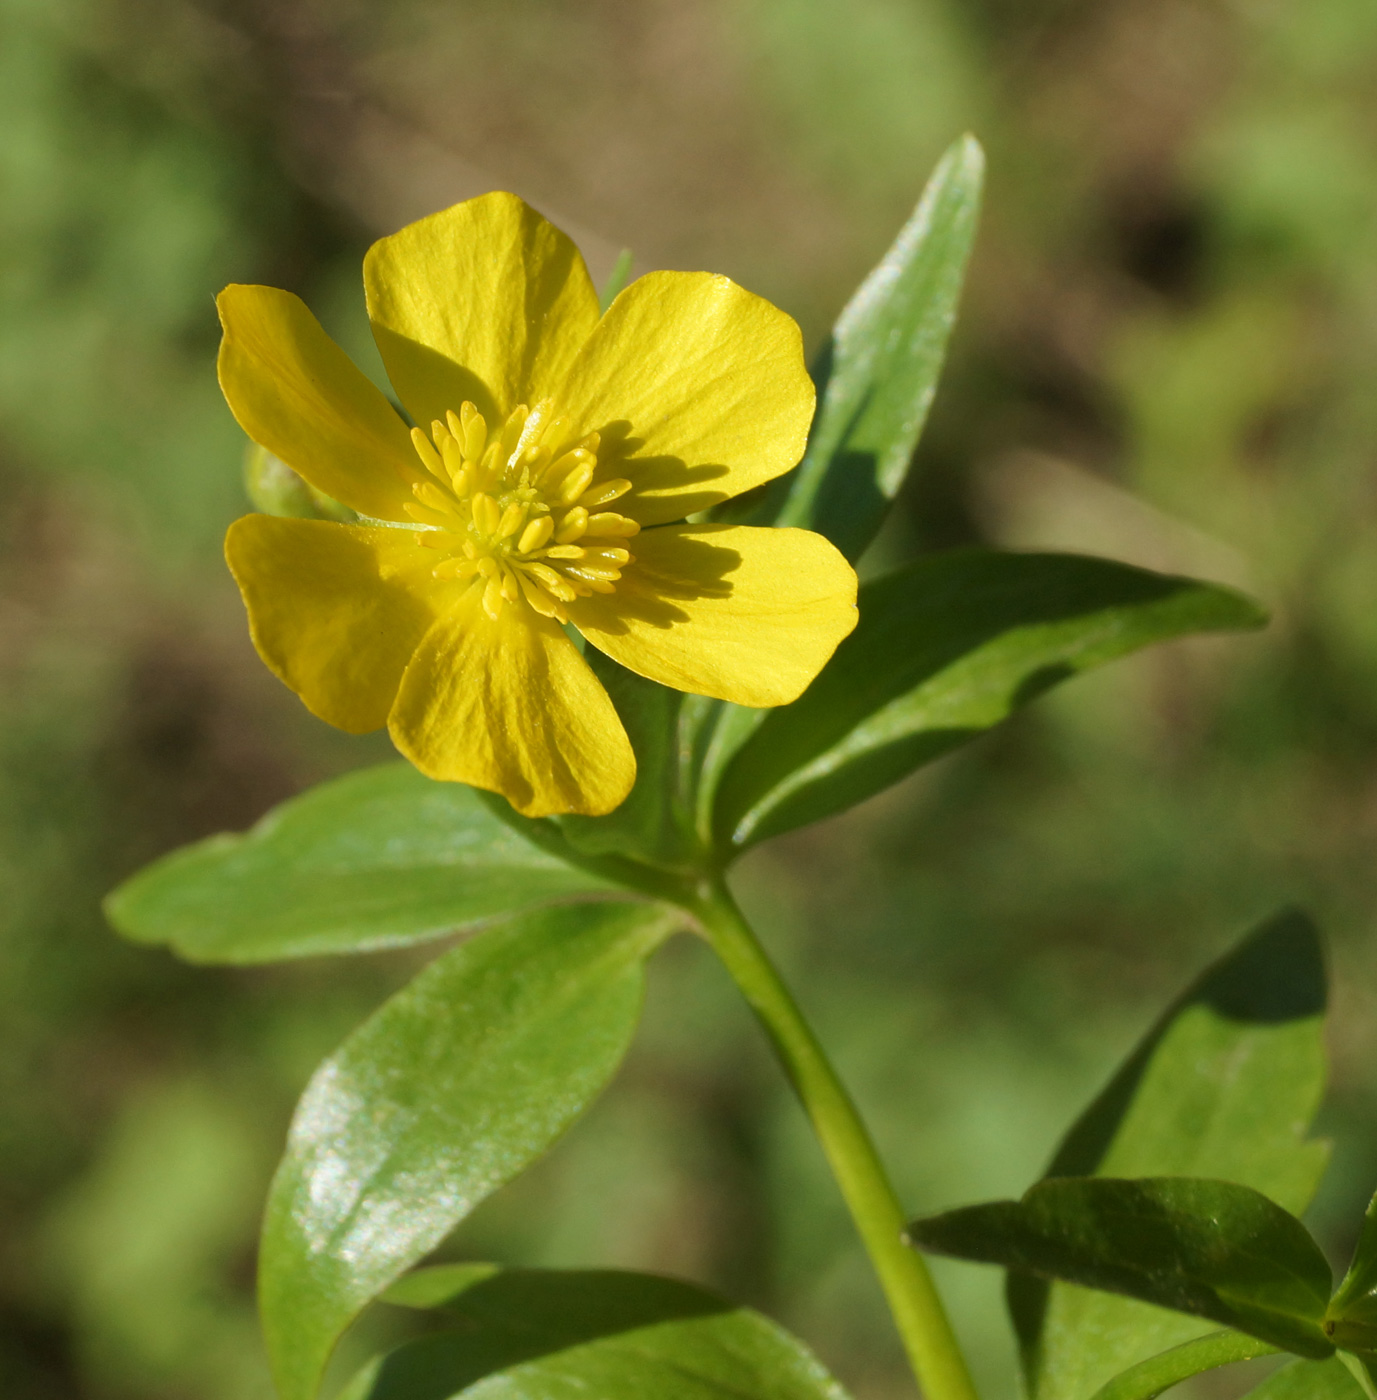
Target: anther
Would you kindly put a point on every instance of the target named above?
(430, 459)
(492, 598)
(565, 551)
(513, 518)
(540, 600)
(606, 491)
(536, 534)
(475, 435)
(487, 514)
(572, 526)
(575, 484)
(434, 497)
(607, 522)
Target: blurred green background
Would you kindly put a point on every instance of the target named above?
(1168, 355)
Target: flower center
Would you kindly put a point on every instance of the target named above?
(518, 509)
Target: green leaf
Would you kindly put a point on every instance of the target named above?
(1353, 1311)
(876, 377)
(878, 372)
(1224, 1085)
(944, 649)
(1310, 1380)
(1148, 1379)
(1210, 1248)
(538, 1335)
(452, 1088)
(375, 859)
(656, 822)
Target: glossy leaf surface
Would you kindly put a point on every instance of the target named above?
(945, 649)
(546, 1335)
(375, 859)
(1210, 1248)
(455, 1085)
(878, 372)
(1225, 1085)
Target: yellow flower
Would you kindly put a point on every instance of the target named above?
(559, 450)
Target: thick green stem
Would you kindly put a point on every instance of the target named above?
(918, 1313)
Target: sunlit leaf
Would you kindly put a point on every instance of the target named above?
(1213, 1249)
(544, 1335)
(945, 649)
(878, 371)
(449, 1090)
(375, 859)
(1225, 1085)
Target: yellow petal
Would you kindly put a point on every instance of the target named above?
(512, 707)
(485, 301)
(698, 389)
(336, 610)
(730, 611)
(295, 392)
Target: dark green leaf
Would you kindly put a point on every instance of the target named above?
(1150, 1378)
(1225, 1085)
(656, 823)
(878, 372)
(1310, 1380)
(452, 1088)
(1213, 1249)
(537, 1335)
(375, 859)
(944, 649)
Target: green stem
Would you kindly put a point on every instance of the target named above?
(918, 1313)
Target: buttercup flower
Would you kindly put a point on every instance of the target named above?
(548, 485)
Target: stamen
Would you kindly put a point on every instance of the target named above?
(607, 522)
(487, 515)
(475, 428)
(536, 534)
(572, 526)
(596, 581)
(455, 568)
(513, 518)
(427, 517)
(430, 459)
(511, 431)
(575, 484)
(434, 497)
(517, 508)
(606, 491)
(555, 584)
(492, 598)
(540, 600)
